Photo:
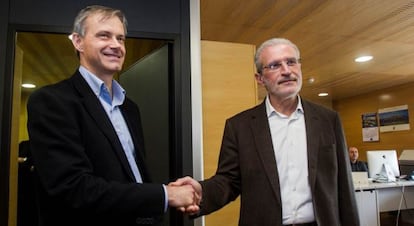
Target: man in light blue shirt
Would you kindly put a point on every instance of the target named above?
(87, 142)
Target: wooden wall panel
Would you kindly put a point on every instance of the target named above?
(351, 109)
(228, 87)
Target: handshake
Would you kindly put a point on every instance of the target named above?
(185, 194)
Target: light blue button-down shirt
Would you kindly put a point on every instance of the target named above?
(113, 111)
(111, 106)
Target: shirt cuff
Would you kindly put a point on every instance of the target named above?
(165, 198)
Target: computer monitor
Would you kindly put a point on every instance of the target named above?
(406, 162)
(380, 161)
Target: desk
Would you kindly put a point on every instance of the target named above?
(373, 198)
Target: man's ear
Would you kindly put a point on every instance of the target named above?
(259, 78)
(77, 42)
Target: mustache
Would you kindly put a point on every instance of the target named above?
(288, 79)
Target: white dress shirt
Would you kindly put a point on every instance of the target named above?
(289, 144)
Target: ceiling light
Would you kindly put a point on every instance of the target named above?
(363, 59)
(323, 94)
(28, 85)
(385, 97)
(311, 80)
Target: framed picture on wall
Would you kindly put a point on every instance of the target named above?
(370, 127)
(394, 118)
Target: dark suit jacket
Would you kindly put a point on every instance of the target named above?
(247, 167)
(83, 175)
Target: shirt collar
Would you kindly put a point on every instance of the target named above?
(96, 83)
(270, 110)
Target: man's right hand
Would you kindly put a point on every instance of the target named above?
(197, 189)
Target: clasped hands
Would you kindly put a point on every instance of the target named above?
(185, 194)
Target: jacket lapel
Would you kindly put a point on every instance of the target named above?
(261, 133)
(313, 130)
(95, 109)
(135, 129)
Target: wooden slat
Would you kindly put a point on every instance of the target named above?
(228, 87)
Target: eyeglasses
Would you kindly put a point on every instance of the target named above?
(277, 65)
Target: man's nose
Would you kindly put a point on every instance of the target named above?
(115, 43)
(285, 68)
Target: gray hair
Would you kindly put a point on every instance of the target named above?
(106, 12)
(272, 42)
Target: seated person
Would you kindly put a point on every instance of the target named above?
(356, 165)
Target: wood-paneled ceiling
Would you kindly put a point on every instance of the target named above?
(329, 33)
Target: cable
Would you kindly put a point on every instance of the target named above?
(399, 207)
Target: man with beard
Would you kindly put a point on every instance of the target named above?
(286, 158)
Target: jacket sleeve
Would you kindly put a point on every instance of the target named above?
(224, 186)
